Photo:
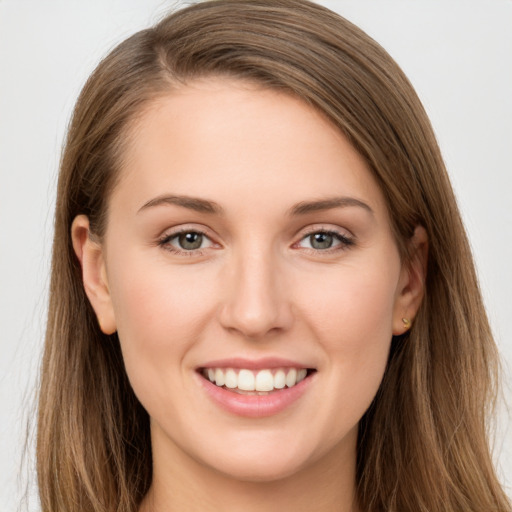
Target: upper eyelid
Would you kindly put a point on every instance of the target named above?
(323, 228)
(178, 230)
(175, 234)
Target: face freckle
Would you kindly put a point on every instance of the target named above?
(247, 234)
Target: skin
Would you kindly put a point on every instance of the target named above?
(257, 288)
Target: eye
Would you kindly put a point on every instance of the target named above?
(186, 241)
(325, 240)
(190, 241)
(321, 240)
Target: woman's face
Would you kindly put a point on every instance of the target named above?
(248, 244)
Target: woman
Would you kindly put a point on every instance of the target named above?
(262, 294)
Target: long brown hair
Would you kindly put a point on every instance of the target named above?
(423, 444)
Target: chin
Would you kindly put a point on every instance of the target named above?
(266, 459)
(261, 471)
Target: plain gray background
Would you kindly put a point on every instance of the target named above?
(458, 55)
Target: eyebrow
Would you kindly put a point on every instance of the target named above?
(192, 203)
(304, 207)
(330, 203)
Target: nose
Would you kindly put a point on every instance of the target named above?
(256, 301)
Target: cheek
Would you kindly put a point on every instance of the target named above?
(151, 295)
(355, 307)
(160, 312)
(352, 319)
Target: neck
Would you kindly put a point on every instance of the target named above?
(182, 483)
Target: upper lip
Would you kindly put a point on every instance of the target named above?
(255, 364)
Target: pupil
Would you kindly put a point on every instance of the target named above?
(321, 240)
(190, 241)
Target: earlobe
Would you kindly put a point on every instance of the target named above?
(411, 289)
(94, 276)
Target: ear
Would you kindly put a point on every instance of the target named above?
(411, 286)
(94, 275)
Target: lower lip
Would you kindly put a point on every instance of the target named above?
(256, 406)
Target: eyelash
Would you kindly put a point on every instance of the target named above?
(345, 242)
(164, 242)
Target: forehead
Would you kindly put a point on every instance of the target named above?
(223, 139)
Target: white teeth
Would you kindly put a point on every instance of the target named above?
(279, 379)
(291, 378)
(246, 380)
(219, 377)
(262, 381)
(231, 379)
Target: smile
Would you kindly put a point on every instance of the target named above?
(261, 382)
(256, 388)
